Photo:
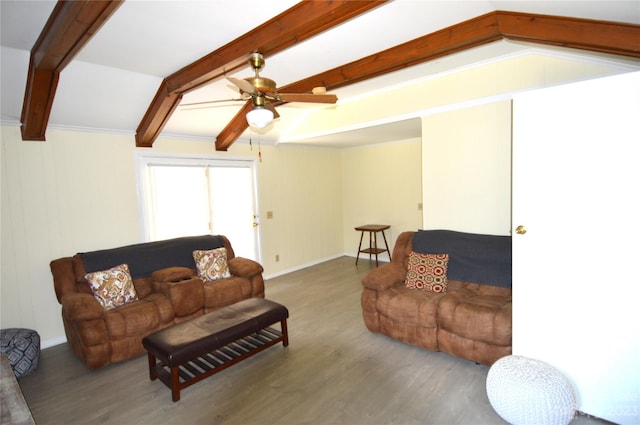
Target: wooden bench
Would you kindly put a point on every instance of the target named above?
(192, 351)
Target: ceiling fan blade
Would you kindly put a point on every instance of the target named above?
(305, 97)
(243, 85)
(208, 103)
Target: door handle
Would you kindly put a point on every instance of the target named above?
(521, 230)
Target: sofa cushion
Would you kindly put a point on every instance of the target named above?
(224, 292)
(427, 272)
(113, 287)
(477, 312)
(144, 286)
(212, 264)
(136, 318)
(408, 306)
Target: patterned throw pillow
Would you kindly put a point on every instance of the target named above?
(427, 272)
(112, 288)
(212, 265)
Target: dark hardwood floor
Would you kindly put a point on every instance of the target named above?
(333, 372)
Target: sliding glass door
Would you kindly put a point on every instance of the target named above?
(195, 196)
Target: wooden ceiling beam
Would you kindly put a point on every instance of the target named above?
(585, 34)
(462, 36)
(600, 36)
(296, 24)
(234, 129)
(70, 26)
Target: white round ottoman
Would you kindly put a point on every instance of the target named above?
(528, 391)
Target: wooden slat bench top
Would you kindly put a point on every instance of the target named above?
(191, 351)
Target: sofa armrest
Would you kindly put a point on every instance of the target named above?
(244, 267)
(64, 277)
(81, 306)
(384, 277)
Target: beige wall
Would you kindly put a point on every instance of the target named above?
(301, 186)
(382, 184)
(467, 169)
(501, 77)
(78, 192)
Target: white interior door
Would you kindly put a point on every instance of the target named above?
(576, 190)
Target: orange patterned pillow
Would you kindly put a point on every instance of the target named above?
(427, 272)
(212, 264)
(112, 288)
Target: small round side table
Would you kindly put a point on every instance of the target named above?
(373, 230)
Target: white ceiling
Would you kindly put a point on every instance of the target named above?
(112, 81)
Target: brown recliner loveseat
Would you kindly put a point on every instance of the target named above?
(167, 288)
(472, 319)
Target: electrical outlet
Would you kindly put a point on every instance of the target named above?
(419, 206)
(277, 257)
(269, 214)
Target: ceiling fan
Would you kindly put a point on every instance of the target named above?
(263, 94)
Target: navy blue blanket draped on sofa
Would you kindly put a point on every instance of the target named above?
(473, 257)
(145, 258)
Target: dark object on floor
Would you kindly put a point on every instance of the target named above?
(192, 351)
(22, 347)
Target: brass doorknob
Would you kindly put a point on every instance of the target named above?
(521, 230)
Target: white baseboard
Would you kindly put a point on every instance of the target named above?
(301, 266)
(381, 259)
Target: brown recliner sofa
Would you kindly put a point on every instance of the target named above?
(472, 319)
(168, 292)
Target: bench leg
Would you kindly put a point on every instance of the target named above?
(175, 383)
(285, 333)
(153, 374)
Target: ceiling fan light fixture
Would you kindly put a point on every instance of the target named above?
(259, 117)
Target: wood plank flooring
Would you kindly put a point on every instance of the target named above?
(333, 372)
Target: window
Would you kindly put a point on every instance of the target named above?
(182, 196)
